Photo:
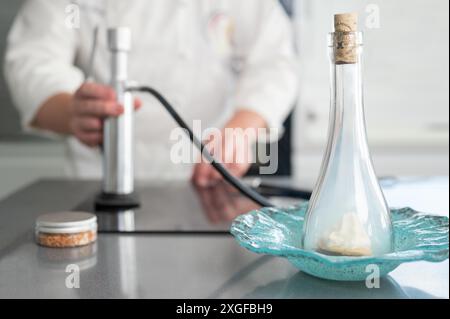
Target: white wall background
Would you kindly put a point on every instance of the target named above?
(406, 83)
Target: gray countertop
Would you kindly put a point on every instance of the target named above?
(192, 258)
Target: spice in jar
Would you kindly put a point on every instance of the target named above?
(66, 229)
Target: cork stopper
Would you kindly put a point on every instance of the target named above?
(346, 22)
(345, 40)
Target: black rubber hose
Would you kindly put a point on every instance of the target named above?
(245, 190)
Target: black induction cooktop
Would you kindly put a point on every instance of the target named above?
(170, 207)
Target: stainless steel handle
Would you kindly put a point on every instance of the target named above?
(118, 170)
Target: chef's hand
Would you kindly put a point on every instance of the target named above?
(234, 151)
(89, 106)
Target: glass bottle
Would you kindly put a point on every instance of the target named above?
(348, 214)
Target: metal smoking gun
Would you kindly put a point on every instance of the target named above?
(118, 140)
(118, 175)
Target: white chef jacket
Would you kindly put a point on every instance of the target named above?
(208, 57)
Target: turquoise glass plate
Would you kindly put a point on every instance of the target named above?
(278, 232)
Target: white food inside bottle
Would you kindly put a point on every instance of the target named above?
(348, 238)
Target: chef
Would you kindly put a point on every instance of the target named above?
(225, 63)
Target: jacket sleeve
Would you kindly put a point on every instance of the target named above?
(267, 81)
(39, 60)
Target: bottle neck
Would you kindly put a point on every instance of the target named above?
(347, 106)
(347, 94)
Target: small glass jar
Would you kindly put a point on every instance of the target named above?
(66, 230)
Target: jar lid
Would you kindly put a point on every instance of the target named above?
(66, 222)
